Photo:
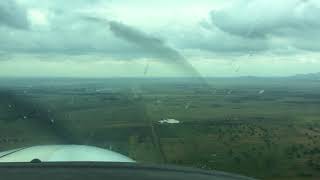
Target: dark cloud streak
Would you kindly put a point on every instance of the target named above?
(152, 46)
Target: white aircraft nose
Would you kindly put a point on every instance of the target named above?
(60, 153)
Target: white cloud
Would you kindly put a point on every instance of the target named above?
(38, 17)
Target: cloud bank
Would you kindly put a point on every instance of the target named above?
(253, 32)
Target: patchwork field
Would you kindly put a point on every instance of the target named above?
(267, 128)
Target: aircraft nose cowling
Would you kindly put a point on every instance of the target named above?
(61, 153)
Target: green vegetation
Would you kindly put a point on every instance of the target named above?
(265, 128)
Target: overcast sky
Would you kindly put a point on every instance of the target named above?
(103, 38)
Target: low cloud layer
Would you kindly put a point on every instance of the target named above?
(255, 30)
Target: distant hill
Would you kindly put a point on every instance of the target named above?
(308, 76)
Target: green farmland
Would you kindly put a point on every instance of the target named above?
(267, 128)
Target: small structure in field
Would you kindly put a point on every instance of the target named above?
(169, 121)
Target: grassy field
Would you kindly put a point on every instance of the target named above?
(267, 128)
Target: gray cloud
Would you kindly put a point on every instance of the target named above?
(258, 18)
(68, 34)
(258, 22)
(213, 39)
(12, 15)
